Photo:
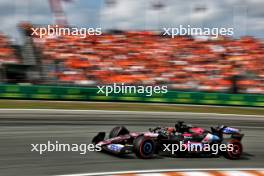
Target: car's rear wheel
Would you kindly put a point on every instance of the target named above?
(144, 147)
(117, 131)
(236, 151)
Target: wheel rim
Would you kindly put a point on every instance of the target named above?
(147, 147)
(236, 150)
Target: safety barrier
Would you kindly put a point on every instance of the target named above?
(90, 94)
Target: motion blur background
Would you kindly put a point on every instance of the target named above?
(132, 49)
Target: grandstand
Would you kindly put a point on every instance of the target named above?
(145, 57)
(9, 59)
(134, 57)
(7, 53)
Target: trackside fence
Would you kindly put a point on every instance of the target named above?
(8, 91)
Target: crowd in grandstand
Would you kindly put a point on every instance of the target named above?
(185, 63)
(147, 58)
(7, 53)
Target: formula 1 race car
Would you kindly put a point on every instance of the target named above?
(171, 140)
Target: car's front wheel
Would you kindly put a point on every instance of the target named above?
(144, 147)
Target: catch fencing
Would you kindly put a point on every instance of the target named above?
(90, 94)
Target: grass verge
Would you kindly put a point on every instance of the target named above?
(28, 104)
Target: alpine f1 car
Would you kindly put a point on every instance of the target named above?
(159, 140)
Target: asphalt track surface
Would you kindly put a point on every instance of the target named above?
(20, 128)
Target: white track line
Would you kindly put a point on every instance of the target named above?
(163, 170)
(237, 173)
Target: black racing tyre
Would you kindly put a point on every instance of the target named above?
(144, 147)
(117, 131)
(237, 149)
